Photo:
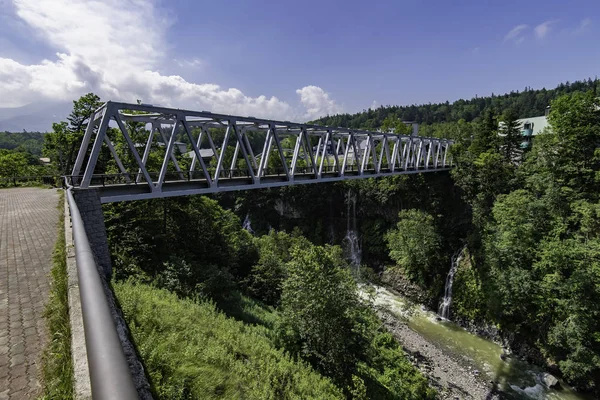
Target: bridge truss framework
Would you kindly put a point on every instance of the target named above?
(222, 157)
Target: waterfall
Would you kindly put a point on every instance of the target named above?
(351, 241)
(247, 224)
(444, 310)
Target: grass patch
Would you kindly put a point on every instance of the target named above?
(57, 367)
(191, 350)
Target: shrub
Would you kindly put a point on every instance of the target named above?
(192, 351)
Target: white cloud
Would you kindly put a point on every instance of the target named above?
(114, 48)
(584, 25)
(515, 33)
(317, 102)
(543, 29)
(191, 63)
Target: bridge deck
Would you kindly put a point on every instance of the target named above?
(110, 191)
(28, 218)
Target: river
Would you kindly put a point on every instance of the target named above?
(515, 378)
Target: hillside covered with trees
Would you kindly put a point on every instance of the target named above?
(527, 103)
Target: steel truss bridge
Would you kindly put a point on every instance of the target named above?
(225, 152)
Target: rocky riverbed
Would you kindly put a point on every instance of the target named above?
(453, 378)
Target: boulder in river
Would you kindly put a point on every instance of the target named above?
(549, 380)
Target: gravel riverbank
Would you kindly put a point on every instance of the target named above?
(454, 378)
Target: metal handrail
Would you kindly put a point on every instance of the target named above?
(110, 376)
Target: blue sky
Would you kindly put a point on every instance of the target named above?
(288, 60)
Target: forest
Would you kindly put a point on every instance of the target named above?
(528, 103)
(280, 305)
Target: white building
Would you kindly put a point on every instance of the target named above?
(531, 127)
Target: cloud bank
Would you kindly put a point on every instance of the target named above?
(113, 48)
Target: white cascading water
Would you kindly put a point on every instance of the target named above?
(247, 224)
(351, 240)
(444, 310)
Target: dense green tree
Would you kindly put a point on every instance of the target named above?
(62, 144)
(510, 132)
(187, 239)
(487, 137)
(519, 223)
(568, 307)
(27, 142)
(319, 305)
(267, 276)
(414, 245)
(14, 163)
(575, 121)
(57, 145)
(82, 110)
(395, 125)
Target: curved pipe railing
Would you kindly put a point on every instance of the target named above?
(110, 376)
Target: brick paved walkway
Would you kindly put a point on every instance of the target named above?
(28, 231)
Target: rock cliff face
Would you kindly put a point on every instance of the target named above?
(406, 288)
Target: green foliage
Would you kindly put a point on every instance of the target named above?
(482, 170)
(395, 125)
(15, 163)
(57, 366)
(468, 297)
(575, 120)
(569, 273)
(510, 132)
(26, 142)
(538, 264)
(191, 351)
(319, 302)
(414, 244)
(527, 103)
(267, 276)
(189, 243)
(61, 145)
(324, 322)
(19, 168)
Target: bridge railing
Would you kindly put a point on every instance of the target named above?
(104, 180)
(110, 376)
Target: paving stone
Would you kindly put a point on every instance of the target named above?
(28, 226)
(18, 383)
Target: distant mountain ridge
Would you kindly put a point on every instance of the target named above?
(34, 117)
